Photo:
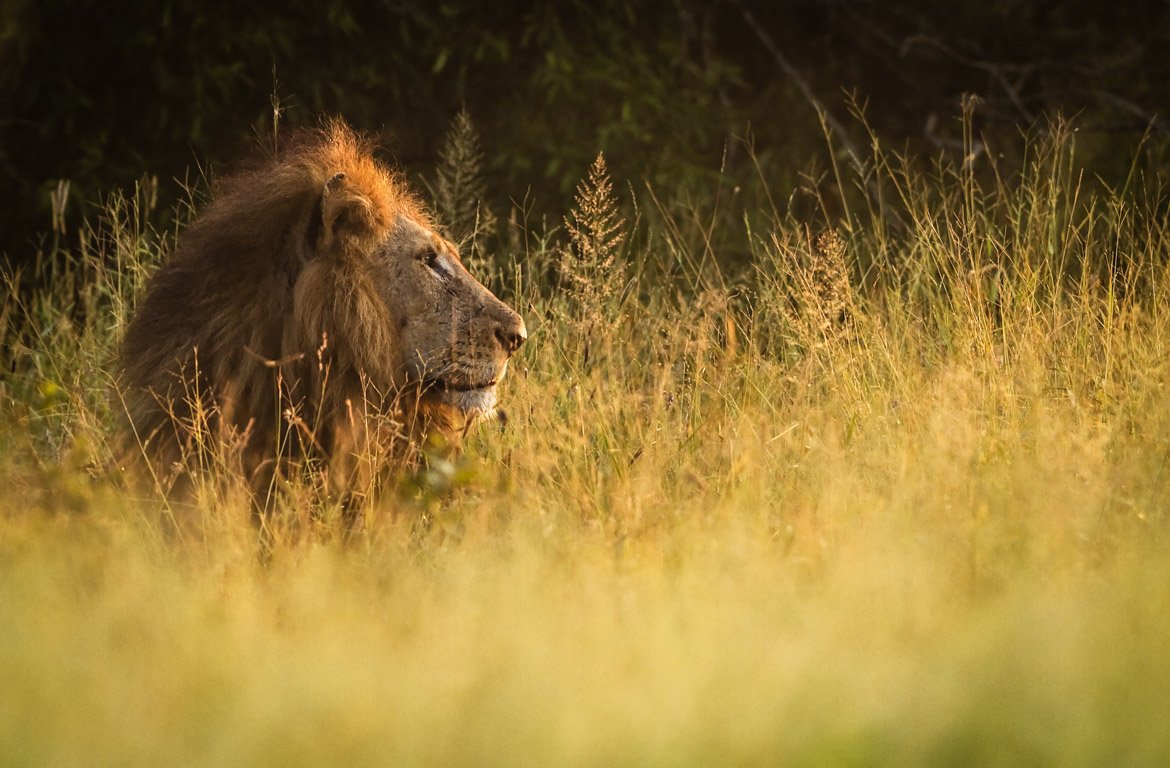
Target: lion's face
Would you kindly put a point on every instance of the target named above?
(454, 335)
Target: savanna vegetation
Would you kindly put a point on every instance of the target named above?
(870, 469)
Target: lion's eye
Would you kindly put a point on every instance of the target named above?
(436, 263)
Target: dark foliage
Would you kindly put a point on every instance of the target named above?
(100, 93)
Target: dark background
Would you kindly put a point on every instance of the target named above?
(101, 92)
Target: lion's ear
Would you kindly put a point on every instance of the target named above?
(346, 214)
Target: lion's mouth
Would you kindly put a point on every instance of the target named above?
(472, 398)
(445, 385)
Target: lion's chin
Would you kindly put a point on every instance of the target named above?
(474, 403)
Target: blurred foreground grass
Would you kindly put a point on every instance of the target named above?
(896, 495)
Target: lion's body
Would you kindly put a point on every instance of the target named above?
(298, 319)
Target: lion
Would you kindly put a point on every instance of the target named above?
(310, 315)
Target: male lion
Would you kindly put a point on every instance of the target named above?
(310, 312)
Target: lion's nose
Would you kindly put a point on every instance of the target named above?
(511, 333)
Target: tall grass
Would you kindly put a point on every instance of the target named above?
(896, 495)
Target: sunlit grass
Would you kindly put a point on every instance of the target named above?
(897, 495)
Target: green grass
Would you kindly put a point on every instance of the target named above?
(896, 495)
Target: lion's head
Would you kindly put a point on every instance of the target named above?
(310, 300)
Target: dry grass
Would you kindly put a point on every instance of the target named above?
(897, 497)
